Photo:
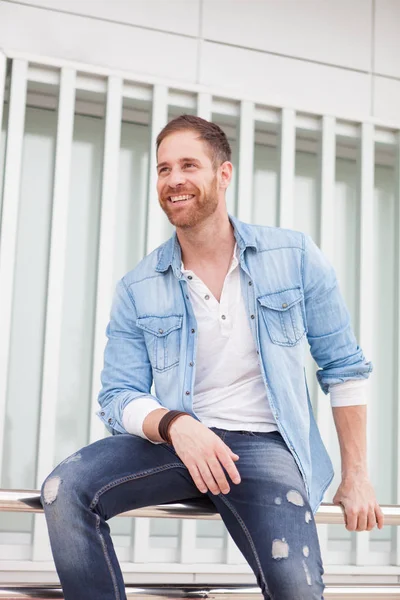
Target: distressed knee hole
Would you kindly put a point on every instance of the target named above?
(280, 549)
(50, 490)
(308, 516)
(307, 572)
(295, 498)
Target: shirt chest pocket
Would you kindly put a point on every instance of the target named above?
(284, 317)
(163, 340)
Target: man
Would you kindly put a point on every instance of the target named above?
(218, 316)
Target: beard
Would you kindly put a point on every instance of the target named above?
(198, 210)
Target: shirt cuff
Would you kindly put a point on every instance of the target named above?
(135, 413)
(348, 393)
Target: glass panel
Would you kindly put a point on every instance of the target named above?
(3, 141)
(131, 225)
(306, 200)
(346, 226)
(231, 192)
(29, 304)
(210, 529)
(132, 197)
(164, 527)
(306, 219)
(265, 185)
(346, 266)
(73, 399)
(381, 407)
(230, 130)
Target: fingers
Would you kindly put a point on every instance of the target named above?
(379, 516)
(209, 460)
(209, 475)
(351, 519)
(214, 477)
(212, 473)
(371, 519)
(197, 478)
(363, 519)
(229, 466)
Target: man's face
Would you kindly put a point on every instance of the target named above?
(187, 184)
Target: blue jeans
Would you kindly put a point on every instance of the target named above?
(267, 514)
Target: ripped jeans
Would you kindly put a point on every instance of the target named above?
(267, 514)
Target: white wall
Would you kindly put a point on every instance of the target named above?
(326, 56)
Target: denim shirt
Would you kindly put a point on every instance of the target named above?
(292, 297)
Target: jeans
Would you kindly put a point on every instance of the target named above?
(267, 514)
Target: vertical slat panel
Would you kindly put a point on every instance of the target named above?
(155, 216)
(55, 294)
(204, 106)
(233, 554)
(366, 195)
(3, 71)
(109, 207)
(9, 224)
(246, 156)
(141, 541)
(397, 383)
(287, 166)
(154, 236)
(327, 153)
(187, 541)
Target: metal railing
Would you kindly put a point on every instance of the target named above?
(29, 501)
(329, 514)
(239, 592)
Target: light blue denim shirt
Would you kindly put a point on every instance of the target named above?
(291, 295)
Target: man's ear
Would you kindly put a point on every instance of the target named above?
(225, 174)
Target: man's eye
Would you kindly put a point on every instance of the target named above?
(188, 165)
(162, 170)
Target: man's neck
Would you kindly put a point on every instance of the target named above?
(211, 242)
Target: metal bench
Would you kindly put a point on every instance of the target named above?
(29, 501)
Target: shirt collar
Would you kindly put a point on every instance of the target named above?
(233, 263)
(170, 253)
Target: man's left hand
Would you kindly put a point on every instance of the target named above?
(357, 497)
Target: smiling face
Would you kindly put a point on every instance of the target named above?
(190, 187)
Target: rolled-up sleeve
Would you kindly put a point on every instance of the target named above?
(330, 335)
(127, 373)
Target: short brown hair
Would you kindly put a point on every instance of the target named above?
(209, 132)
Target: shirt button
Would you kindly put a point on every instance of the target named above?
(193, 330)
(187, 296)
(190, 277)
(187, 393)
(206, 297)
(258, 352)
(190, 364)
(250, 283)
(110, 420)
(284, 305)
(223, 317)
(252, 316)
(161, 331)
(102, 413)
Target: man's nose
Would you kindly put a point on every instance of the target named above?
(176, 178)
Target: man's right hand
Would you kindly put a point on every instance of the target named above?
(203, 453)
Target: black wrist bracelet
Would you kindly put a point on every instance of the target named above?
(165, 423)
